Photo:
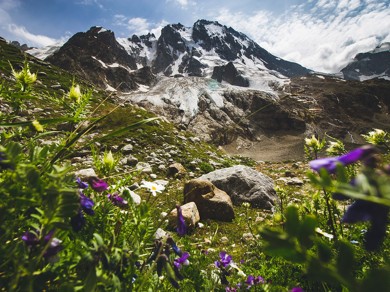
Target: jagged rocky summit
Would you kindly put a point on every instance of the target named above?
(127, 64)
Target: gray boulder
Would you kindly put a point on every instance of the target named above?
(244, 184)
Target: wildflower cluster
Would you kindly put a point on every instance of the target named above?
(166, 262)
(24, 77)
(367, 187)
(313, 146)
(227, 267)
(378, 137)
(51, 245)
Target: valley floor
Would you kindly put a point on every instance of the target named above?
(273, 149)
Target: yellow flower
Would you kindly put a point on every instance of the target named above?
(314, 144)
(25, 78)
(108, 160)
(75, 93)
(38, 127)
(377, 137)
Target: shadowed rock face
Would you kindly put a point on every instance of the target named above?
(370, 64)
(229, 74)
(99, 58)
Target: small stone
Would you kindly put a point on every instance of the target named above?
(190, 214)
(76, 159)
(224, 239)
(247, 237)
(127, 149)
(131, 160)
(291, 181)
(86, 174)
(144, 167)
(160, 234)
(194, 139)
(162, 182)
(176, 170)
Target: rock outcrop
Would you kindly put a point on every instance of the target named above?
(96, 56)
(211, 202)
(244, 184)
(229, 74)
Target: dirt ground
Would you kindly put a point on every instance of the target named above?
(274, 149)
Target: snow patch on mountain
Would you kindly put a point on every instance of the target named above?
(184, 94)
(43, 53)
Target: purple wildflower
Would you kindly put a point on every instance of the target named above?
(175, 248)
(30, 238)
(99, 185)
(377, 214)
(353, 156)
(54, 247)
(78, 221)
(297, 289)
(182, 261)
(86, 204)
(81, 184)
(251, 280)
(181, 224)
(224, 261)
(117, 200)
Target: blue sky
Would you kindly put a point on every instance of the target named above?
(320, 34)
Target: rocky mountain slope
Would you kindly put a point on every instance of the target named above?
(369, 65)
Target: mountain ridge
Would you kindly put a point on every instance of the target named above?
(178, 51)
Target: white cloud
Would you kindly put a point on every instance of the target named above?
(5, 7)
(138, 25)
(184, 4)
(24, 35)
(90, 2)
(323, 37)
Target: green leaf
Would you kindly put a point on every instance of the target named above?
(91, 280)
(99, 239)
(307, 230)
(324, 251)
(377, 280)
(345, 261)
(278, 244)
(292, 221)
